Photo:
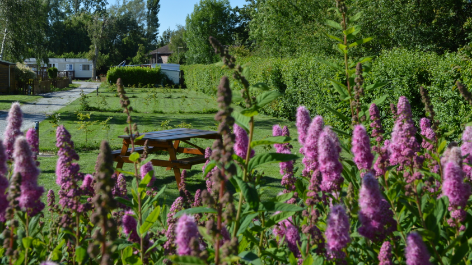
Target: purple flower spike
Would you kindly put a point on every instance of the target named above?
(87, 185)
(33, 140)
(3, 182)
(376, 124)
(303, 122)
(241, 142)
(129, 226)
(466, 150)
(65, 169)
(385, 254)
(337, 231)
(311, 145)
(13, 130)
(403, 146)
(361, 148)
(186, 230)
(415, 251)
(375, 215)
(454, 187)
(328, 159)
(30, 198)
(146, 168)
(286, 168)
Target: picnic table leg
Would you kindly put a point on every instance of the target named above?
(124, 150)
(173, 156)
(176, 145)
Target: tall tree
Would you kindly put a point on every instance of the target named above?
(209, 18)
(178, 45)
(96, 27)
(22, 29)
(152, 22)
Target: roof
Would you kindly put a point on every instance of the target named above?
(162, 50)
(61, 60)
(7, 63)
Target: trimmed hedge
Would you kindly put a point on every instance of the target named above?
(305, 81)
(135, 76)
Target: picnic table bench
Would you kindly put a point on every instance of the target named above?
(168, 140)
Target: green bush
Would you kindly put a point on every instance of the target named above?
(52, 72)
(305, 81)
(135, 76)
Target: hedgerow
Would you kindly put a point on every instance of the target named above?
(306, 81)
(135, 76)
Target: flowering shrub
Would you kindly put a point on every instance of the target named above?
(366, 198)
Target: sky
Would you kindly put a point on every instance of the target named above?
(174, 12)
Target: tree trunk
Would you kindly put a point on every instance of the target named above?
(3, 44)
(94, 63)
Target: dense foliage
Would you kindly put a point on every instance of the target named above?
(135, 76)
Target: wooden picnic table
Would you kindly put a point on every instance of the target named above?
(168, 140)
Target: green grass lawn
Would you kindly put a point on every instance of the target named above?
(7, 100)
(71, 86)
(157, 109)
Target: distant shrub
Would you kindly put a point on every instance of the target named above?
(23, 73)
(135, 76)
(52, 72)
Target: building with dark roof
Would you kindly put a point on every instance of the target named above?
(7, 76)
(160, 55)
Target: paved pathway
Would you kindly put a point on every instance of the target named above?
(50, 103)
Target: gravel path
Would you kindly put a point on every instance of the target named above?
(50, 103)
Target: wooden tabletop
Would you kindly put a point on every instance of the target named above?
(177, 134)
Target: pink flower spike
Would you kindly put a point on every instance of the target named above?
(30, 198)
(385, 254)
(337, 230)
(466, 150)
(241, 142)
(416, 252)
(146, 168)
(311, 145)
(363, 156)
(328, 158)
(13, 129)
(303, 122)
(33, 140)
(186, 230)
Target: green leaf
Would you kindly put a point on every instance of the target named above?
(27, 242)
(249, 193)
(124, 201)
(260, 86)
(265, 158)
(253, 111)
(241, 120)
(195, 210)
(380, 100)
(335, 112)
(134, 157)
(319, 260)
(274, 219)
(441, 146)
(271, 140)
(359, 42)
(250, 257)
(355, 17)
(332, 65)
(145, 181)
(150, 220)
(20, 259)
(333, 37)
(308, 260)
(187, 260)
(292, 259)
(284, 197)
(279, 206)
(246, 222)
(333, 24)
(124, 172)
(342, 47)
(238, 159)
(349, 30)
(80, 254)
(340, 88)
(208, 168)
(376, 85)
(267, 98)
(427, 234)
(460, 253)
(139, 138)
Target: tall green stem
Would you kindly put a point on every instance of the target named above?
(140, 221)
